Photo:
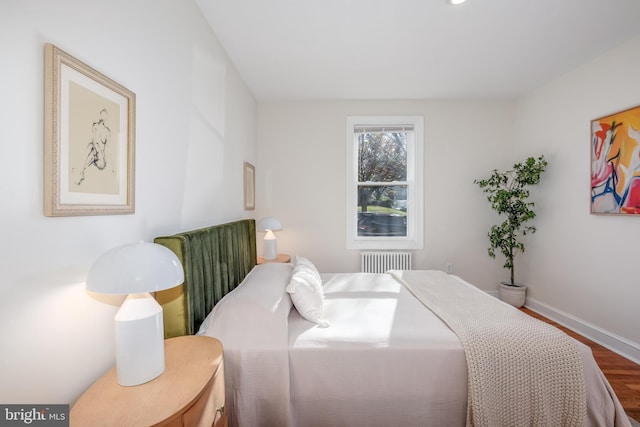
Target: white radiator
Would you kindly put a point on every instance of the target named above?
(379, 262)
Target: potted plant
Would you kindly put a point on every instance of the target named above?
(508, 194)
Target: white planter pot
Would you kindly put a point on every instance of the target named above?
(514, 295)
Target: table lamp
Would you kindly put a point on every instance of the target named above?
(269, 248)
(135, 270)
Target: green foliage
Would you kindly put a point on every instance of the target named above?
(508, 195)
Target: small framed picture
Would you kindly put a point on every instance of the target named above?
(249, 186)
(89, 143)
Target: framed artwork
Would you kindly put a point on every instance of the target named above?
(615, 163)
(249, 186)
(89, 141)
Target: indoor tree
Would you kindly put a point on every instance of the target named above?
(508, 194)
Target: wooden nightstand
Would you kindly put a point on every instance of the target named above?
(190, 391)
(279, 258)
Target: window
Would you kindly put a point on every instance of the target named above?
(384, 182)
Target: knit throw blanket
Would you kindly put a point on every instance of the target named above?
(522, 371)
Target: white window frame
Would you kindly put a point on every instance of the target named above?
(415, 185)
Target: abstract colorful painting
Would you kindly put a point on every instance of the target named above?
(615, 163)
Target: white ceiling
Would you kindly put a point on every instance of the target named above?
(413, 49)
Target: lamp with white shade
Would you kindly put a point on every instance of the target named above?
(270, 243)
(135, 270)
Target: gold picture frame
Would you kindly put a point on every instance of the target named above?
(89, 140)
(249, 186)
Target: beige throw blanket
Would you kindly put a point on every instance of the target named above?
(522, 371)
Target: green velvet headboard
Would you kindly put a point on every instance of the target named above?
(215, 260)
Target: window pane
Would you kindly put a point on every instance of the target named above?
(385, 182)
(382, 156)
(382, 210)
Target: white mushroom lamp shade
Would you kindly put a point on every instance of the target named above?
(270, 243)
(135, 270)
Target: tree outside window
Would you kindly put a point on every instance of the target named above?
(385, 182)
(382, 176)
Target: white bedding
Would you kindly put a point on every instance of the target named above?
(385, 359)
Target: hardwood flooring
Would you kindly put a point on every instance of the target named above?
(622, 374)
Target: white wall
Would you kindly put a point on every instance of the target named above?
(585, 266)
(196, 124)
(301, 179)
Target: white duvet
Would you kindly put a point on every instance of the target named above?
(385, 360)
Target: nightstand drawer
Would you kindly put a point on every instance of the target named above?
(209, 407)
(219, 402)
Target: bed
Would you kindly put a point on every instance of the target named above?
(361, 349)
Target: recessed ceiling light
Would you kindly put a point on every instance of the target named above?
(457, 1)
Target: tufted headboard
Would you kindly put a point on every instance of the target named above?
(215, 260)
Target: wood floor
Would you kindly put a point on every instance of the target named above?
(622, 374)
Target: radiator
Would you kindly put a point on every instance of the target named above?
(379, 262)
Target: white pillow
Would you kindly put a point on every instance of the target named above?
(298, 260)
(305, 288)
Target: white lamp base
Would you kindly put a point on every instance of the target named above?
(139, 340)
(269, 248)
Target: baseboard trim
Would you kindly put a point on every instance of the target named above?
(622, 346)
